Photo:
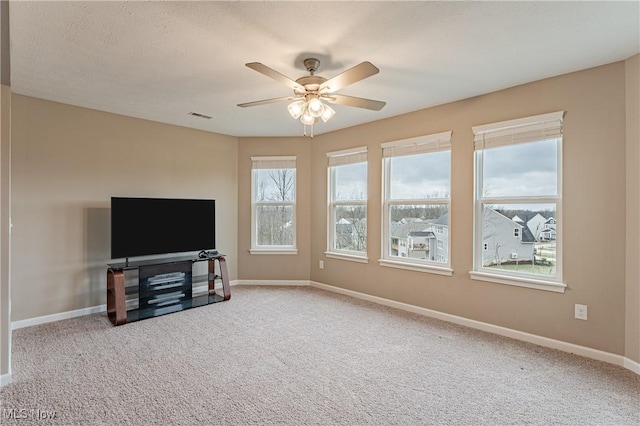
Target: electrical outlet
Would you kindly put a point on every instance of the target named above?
(321, 264)
(581, 312)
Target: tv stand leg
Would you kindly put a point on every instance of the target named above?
(223, 275)
(116, 304)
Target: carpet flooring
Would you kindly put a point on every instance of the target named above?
(303, 356)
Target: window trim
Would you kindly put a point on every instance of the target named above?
(399, 263)
(346, 256)
(413, 146)
(504, 278)
(513, 132)
(342, 158)
(275, 163)
(273, 250)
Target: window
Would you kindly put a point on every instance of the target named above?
(416, 182)
(347, 215)
(273, 214)
(518, 195)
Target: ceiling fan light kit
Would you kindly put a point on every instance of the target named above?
(310, 91)
(327, 113)
(307, 119)
(315, 107)
(296, 108)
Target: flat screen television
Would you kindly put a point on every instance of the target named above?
(149, 226)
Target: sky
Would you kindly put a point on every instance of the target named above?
(526, 169)
(413, 176)
(352, 179)
(421, 176)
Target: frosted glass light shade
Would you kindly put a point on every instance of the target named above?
(327, 113)
(315, 107)
(307, 118)
(296, 108)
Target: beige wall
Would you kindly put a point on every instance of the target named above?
(67, 162)
(267, 266)
(594, 211)
(5, 199)
(632, 320)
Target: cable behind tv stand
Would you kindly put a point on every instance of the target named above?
(164, 286)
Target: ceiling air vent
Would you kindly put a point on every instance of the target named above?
(197, 114)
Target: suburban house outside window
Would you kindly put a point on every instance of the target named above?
(518, 202)
(347, 215)
(416, 185)
(273, 212)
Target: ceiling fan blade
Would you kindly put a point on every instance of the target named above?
(266, 101)
(350, 76)
(355, 102)
(270, 72)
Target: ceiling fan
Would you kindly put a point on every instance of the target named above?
(309, 91)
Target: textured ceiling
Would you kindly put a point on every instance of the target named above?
(162, 60)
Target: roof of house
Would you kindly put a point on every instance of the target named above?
(411, 220)
(442, 220)
(525, 217)
(402, 230)
(527, 236)
(428, 234)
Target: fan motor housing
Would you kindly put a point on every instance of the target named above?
(311, 80)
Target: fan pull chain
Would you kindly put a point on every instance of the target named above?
(304, 133)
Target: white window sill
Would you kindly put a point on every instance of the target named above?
(431, 269)
(344, 256)
(519, 281)
(273, 251)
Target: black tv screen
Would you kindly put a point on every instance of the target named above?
(148, 226)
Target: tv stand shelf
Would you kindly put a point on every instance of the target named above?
(164, 286)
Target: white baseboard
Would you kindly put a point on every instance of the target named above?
(5, 379)
(274, 282)
(630, 364)
(57, 317)
(490, 328)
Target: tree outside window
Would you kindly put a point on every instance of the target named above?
(274, 197)
(347, 216)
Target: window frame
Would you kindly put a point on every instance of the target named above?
(337, 159)
(272, 163)
(523, 130)
(413, 146)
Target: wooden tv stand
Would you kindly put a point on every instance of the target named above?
(164, 286)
